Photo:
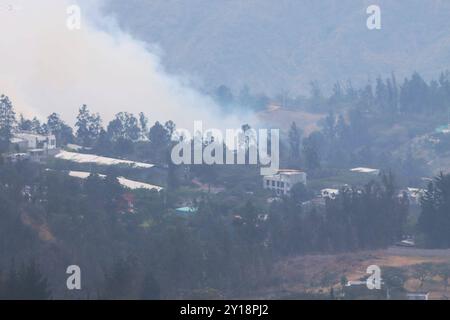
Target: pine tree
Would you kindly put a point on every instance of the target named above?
(434, 220)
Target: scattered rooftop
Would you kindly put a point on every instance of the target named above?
(91, 158)
(365, 170)
(329, 193)
(131, 184)
(185, 211)
(443, 129)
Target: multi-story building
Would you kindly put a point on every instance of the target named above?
(29, 141)
(32, 146)
(284, 180)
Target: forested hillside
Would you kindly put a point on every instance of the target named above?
(281, 46)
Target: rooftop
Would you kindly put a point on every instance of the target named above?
(131, 184)
(186, 209)
(289, 171)
(286, 172)
(17, 140)
(92, 158)
(365, 170)
(443, 129)
(31, 135)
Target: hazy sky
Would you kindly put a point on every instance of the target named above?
(45, 67)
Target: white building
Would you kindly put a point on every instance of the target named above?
(32, 146)
(414, 194)
(366, 170)
(283, 181)
(32, 141)
(329, 193)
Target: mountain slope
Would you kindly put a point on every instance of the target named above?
(275, 46)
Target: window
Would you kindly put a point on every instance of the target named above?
(282, 184)
(278, 184)
(267, 183)
(273, 183)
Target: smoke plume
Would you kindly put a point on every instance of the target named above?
(46, 67)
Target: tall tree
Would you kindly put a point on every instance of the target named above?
(62, 132)
(434, 220)
(143, 123)
(294, 143)
(37, 127)
(170, 127)
(88, 126)
(311, 152)
(7, 122)
(414, 94)
(159, 142)
(24, 124)
(126, 126)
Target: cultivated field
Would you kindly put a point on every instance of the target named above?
(301, 276)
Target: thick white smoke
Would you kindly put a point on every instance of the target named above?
(45, 68)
